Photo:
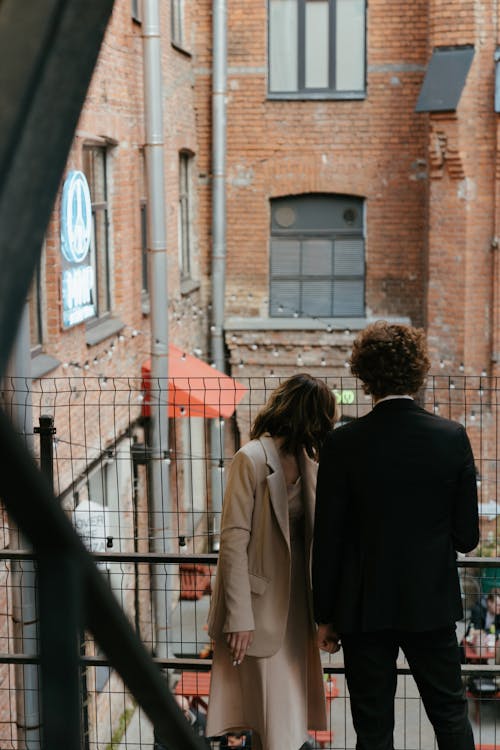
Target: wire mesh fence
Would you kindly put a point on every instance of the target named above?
(102, 477)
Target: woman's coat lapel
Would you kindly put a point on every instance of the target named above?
(277, 486)
(278, 491)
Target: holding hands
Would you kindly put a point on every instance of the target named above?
(328, 640)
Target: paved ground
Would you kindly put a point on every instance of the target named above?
(413, 730)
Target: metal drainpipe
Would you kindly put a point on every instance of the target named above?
(23, 571)
(219, 99)
(158, 293)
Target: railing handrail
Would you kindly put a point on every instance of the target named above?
(208, 558)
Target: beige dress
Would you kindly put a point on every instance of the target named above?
(260, 692)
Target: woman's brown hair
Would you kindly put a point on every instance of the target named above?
(302, 411)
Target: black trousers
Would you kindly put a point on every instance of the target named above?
(434, 659)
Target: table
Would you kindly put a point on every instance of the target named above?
(195, 686)
(480, 655)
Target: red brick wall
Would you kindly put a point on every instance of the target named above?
(462, 200)
(373, 148)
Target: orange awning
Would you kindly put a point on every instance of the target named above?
(194, 388)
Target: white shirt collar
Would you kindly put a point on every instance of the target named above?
(391, 398)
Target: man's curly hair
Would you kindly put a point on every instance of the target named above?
(390, 359)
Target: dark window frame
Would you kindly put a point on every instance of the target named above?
(329, 92)
(144, 248)
(177, 30)
(185, 215)
(102, 207)
(136, 11)
(36, 308)
(300, 235)
(143, 213)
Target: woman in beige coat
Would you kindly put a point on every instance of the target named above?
(267, 673)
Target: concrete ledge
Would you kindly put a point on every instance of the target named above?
(103, 330)
(41, 364)
(305, 324)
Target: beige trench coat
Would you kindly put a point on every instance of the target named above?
(252, 586)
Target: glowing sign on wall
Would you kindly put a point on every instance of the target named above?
(76, 233)
(76, 218)
(344, 397)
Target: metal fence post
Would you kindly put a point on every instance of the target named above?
(60, 587)
(46, 430)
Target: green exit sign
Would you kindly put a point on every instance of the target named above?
(344, 397)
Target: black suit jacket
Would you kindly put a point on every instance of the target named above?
(396, 497)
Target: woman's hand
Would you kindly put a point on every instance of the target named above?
(239, 642)
(328, 639)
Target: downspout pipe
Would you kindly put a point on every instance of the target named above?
(160, 510)
(23, 571)
(219, 147)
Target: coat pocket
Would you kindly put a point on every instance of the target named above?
(258, 584)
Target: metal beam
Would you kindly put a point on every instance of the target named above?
(48, 50)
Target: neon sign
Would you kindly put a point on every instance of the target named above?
(76, 232)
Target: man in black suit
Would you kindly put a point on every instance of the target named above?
(396, 497)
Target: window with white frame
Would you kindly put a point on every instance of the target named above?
(95, 168)
(317, 264)
(317, 47)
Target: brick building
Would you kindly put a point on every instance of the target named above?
(344, 205)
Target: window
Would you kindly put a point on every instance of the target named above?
(35, 303)
(185, 260)
(95, 168)
(195, 488)
(317, 257)
(178, 22)
(316, 47)
(136, 10)
(144, 228)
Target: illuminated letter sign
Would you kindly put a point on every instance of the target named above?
(76, 232)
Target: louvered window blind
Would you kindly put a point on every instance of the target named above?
(319, 276)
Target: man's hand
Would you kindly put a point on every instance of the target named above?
(239, 642)
(328, 639)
